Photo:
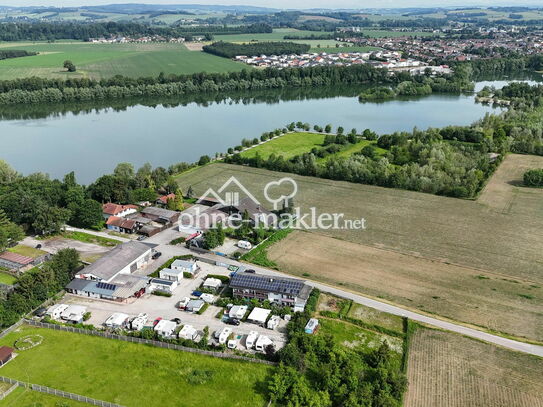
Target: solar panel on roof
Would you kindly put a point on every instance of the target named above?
(106, 286)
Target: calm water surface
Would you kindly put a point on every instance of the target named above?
(92, 141)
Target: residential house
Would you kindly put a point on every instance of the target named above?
(212, 284)
(163, 200)
(194, 306)
(165, 328)
(165, 286)
(186, 266)
(122, 225)
(171, 274)
(160, 215)
(237, 311)
(259, 316)
(112, 209)
(281, 291)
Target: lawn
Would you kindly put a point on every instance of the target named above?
(455, 258)
(355, 337)
(107, 60)
(135, 375)
(356, 148)
(289, 145)
(375, 317)
(386, 33)
(277, 35)
(27, 251)
(21, 397)
(6, 278)
(88, 238)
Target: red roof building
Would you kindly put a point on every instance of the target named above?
(165, 198)
(16, 258)
(6, 353)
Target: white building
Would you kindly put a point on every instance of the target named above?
(55, 311)
(212, 283)
(185, 266)
(165, 328)
(116, 320)
(188, 332)
(167, 286)
(170, 274)
(259, 316)
(74, 314)
(237, 311)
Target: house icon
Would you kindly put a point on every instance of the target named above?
(227, 197)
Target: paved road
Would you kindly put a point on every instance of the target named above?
(537, 350)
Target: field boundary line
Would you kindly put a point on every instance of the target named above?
(56, 392)
(156, 344)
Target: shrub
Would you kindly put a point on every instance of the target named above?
(534, 178)
(161, 293)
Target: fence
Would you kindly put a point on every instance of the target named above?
(11, 328)
(150, 342)
(59, 393)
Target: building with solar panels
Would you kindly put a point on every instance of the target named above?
(286, 292)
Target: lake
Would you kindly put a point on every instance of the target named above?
(91, 141)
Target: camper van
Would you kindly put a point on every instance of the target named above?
(243, 244)
(262, 342)
(139, 322)
(251, 339)
(223, 335)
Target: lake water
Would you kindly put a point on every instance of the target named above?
(91, 141)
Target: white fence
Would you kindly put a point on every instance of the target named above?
(59, 393)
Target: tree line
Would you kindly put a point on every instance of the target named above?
(15, 53)
(231, 50)
(23, 31)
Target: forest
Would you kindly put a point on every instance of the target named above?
(231, 50)
(83, 31)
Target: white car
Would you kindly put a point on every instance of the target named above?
(243, 244)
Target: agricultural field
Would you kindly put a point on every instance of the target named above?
(21, 397)
(278, 34)
(504, 192)
(157, 377)
(289, 145)
(448, 370)
(107, 60)
(439, 255)
(393, 34)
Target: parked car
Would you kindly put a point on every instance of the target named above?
(142, 237)
(38, 246)
(156, 255)
(233, 321)
(176, 320)
(243, 244)
(156, 321)
(197, 293)
(250, 271)
(40, 312)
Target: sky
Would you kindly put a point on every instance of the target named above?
(287, 4)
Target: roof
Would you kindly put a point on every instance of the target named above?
(165, 198)
(195, 304)
(259, 314)
(170, 271)
(160, 212)
(114, 209)
(184, 264)
(78, 284)
(165, 325)
(212, 282)
(5, 351)
(16, 258)
(273, 284)
(121, 222)
(117, 318)
(117, 259)
(161, 281)
(75, 309)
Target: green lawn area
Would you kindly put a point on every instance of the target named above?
(107, 60)
(27, 251)
(135, 375)
(88, 238)
(6, 278)
(375, 317)
(355, 337)
(21, 397)
(289, 145)
(386, 33)
(355, 148)
(277, 35)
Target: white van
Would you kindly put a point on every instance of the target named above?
(251, 339)
(243, 244)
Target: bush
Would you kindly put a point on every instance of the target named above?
(534, 178)
(203, 309)
(161, 293)
(179, 240)
(86, 316)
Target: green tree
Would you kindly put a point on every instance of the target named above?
(69, 66)
(10, 233)
(7, 174)
(49, 220)
(88, 214)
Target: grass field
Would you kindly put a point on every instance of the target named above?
(135, 375)
(21, 397)
(449, 370)
(27, 251)
(88, 238)
(107, 60)
(386, 33)
(483, 267)
(6, 278)
(335, 50)
(288, 146)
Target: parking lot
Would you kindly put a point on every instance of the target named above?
(164, 307)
